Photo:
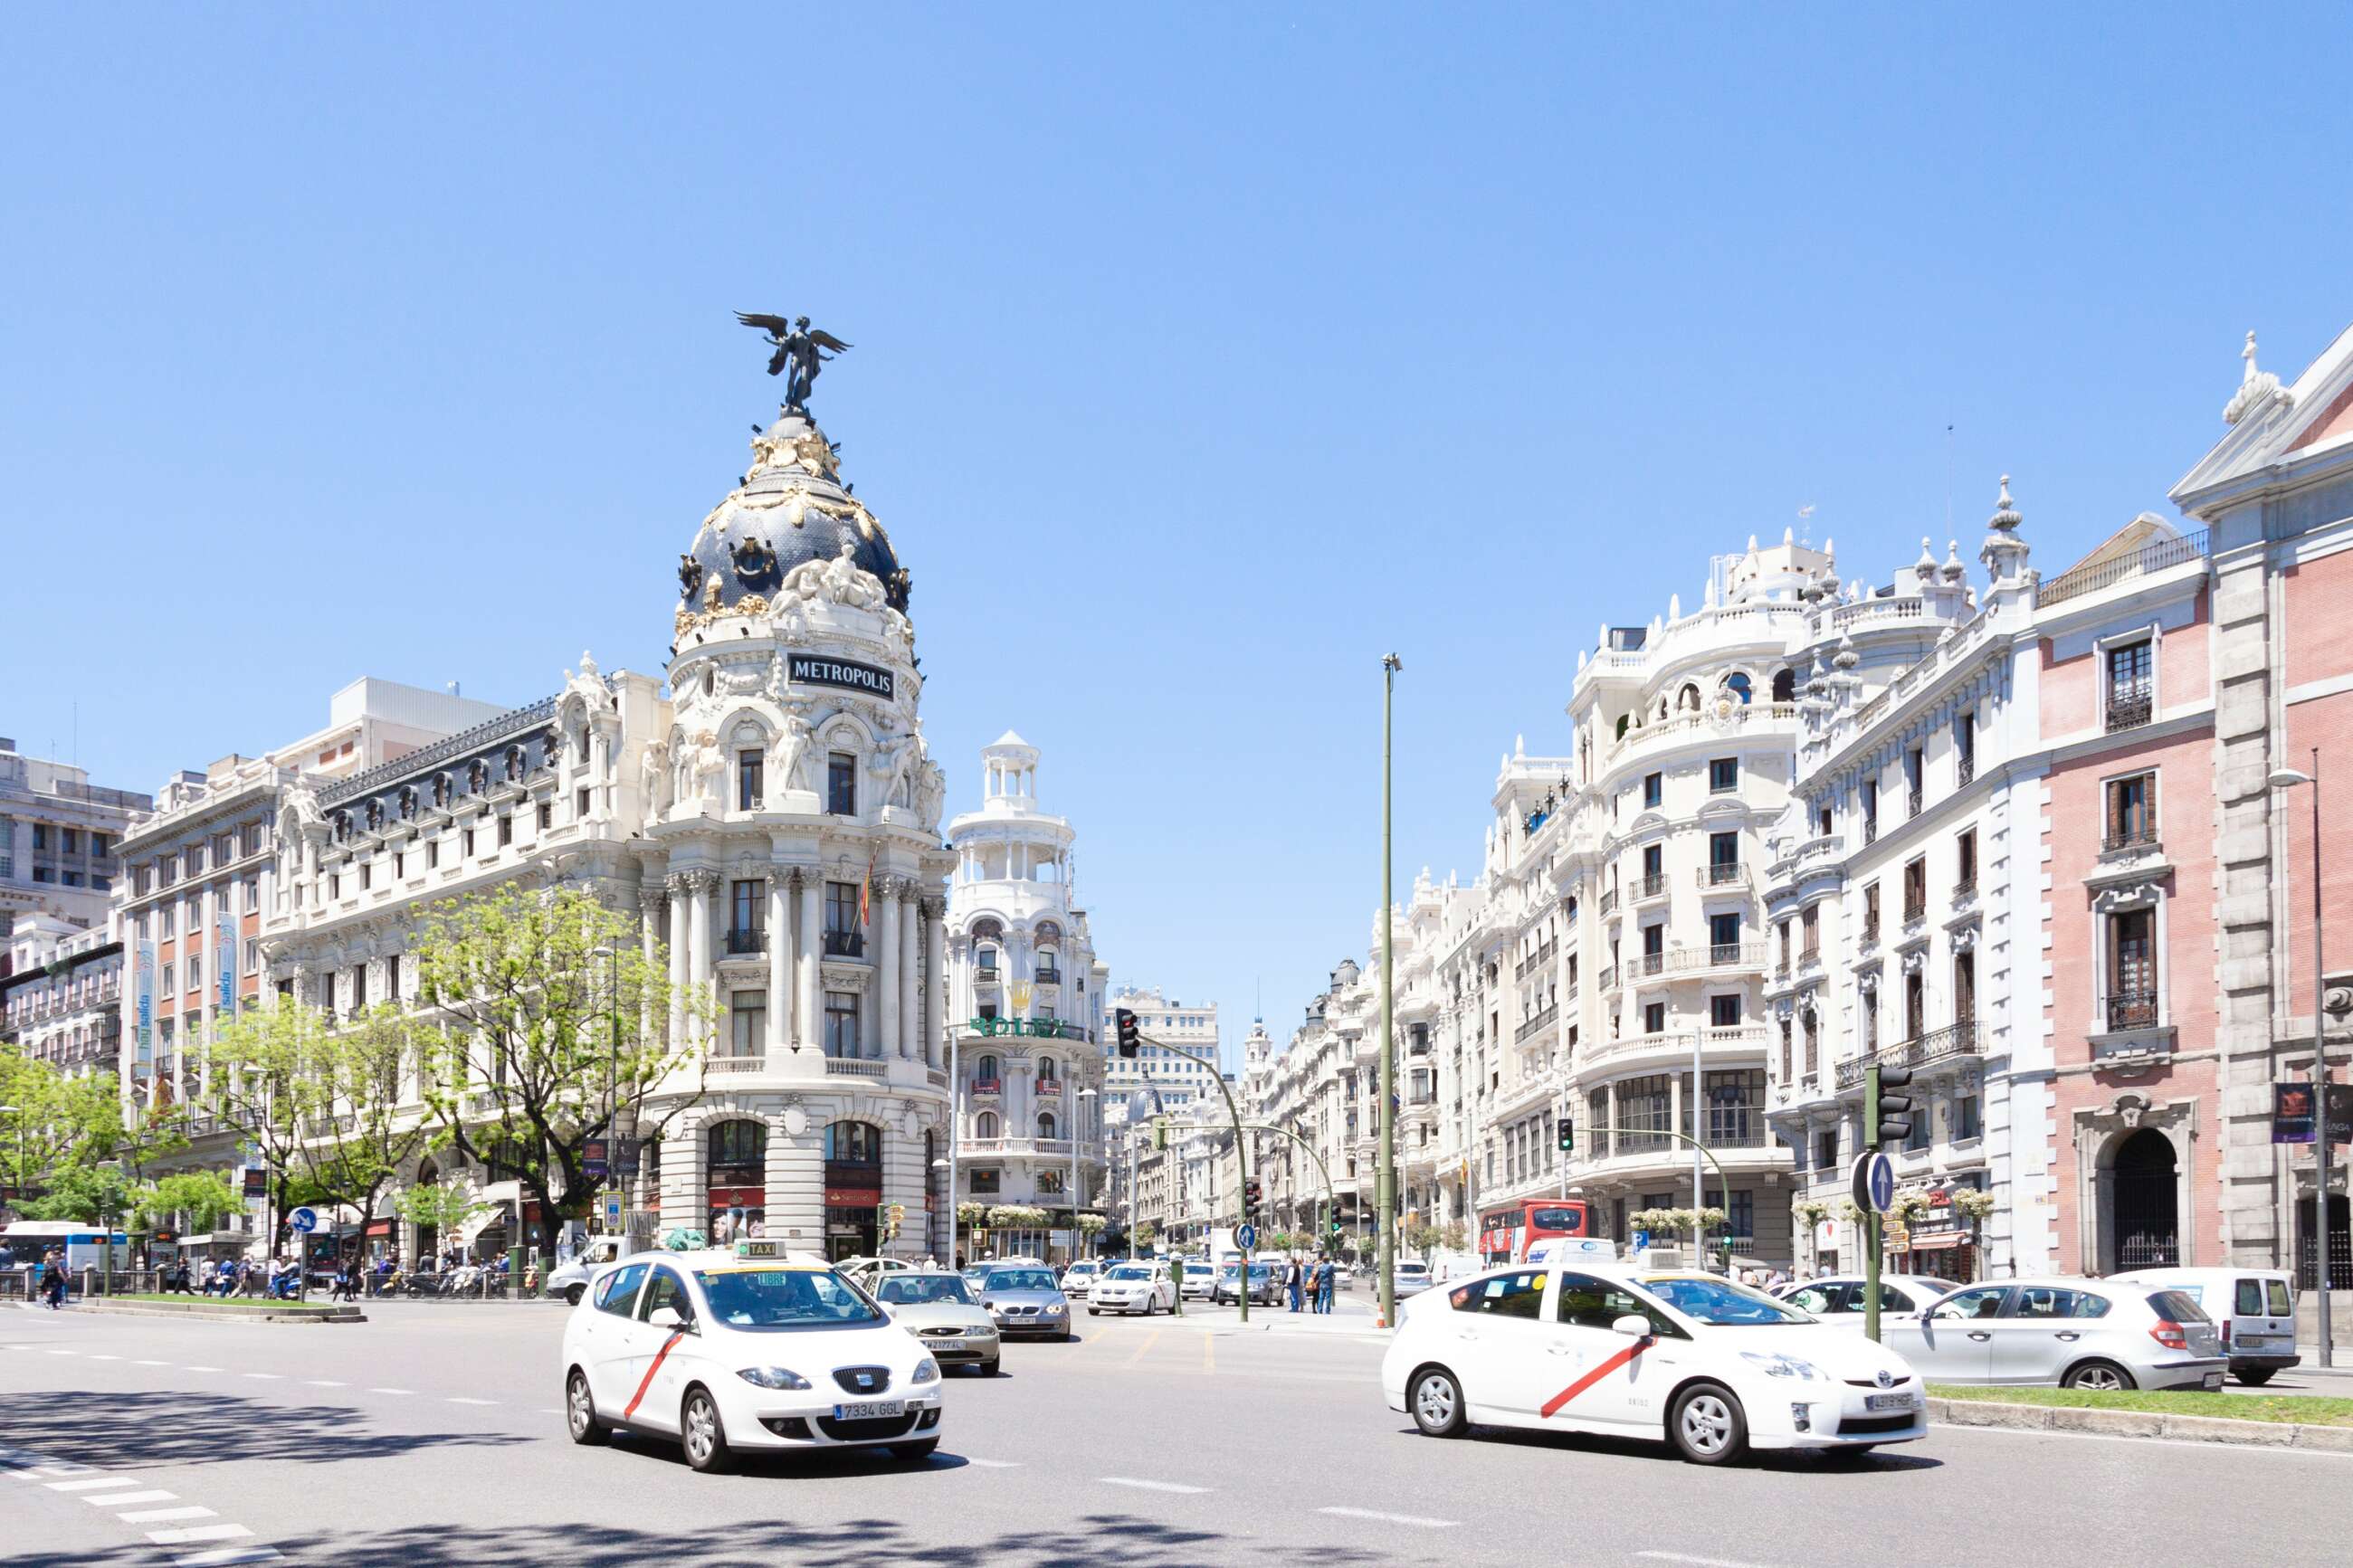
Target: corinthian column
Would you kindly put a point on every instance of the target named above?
(935, 990)
(649, 905)
(886, 969)
(911, 1011)
(780, 951)
(698, 938)
(811, 1022)
(680, 890)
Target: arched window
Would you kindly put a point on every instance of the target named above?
(853, 1143)
(1738, 685)
(737, 1145)
(1688, 699)
(1046, 1069)
(985, 1125)
(1785, 686)
(985, 1070)
(1622, 726)
(1046, 1125)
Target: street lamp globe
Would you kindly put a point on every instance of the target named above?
(2287, 778)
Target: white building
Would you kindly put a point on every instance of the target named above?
(59, 837)
(61, 999)
(1027, 1008)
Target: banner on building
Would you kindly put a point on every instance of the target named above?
(225, 951)
(2292, 1105)
(146, 1002)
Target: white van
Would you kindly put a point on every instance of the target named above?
(2254, 1306)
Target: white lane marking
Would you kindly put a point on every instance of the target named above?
(1695, 1562)
(1149, 1486)
(272, 1376)
(95, 1356)
(158, 1515)
(473, 1402)
(1380, 1518)
(118, 1482)
(994, 1464)
(150, 1364)
(227, 1554)
(198, 1533)
(125, 1499)
(392, 1391)
(200, 1369)
(323, 1382)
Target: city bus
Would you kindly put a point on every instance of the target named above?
(1505, 1233)
(25, 1243)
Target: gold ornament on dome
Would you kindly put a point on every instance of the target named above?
(751, 605)
(685, 623)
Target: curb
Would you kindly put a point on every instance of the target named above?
(2140, 1423)
(225, 1314)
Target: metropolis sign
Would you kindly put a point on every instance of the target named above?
(816, 669)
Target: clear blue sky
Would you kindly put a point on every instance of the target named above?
(1200, 362)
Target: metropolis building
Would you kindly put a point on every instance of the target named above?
(767, 807)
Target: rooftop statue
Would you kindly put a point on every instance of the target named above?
(800, 354)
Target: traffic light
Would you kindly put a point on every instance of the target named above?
(1160, 1132)
(1251, 1193)
(894, 1219)
(1887, 1115)
(1567, 1136)
(1130, 1038)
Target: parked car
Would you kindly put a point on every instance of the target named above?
(1694, 1359)
(1078, 1277)
(570, 1279)
(1143, 1287)
(2072, 1333)
(941, 1312)
(1840, 1298)
(727, 1354)
(1023, 1298)
(1265, 1284)
(2254, 1308)
(1412, 1278)
(1200, 1277)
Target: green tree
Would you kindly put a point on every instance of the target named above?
(85, 1194)
(550, 1028)
(197, 1199)
(443, 1207)
(1454, 1236)
(59, 1123)
(1421, 1238)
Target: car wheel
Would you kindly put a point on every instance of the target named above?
(915, 1453)
(1707, 1426)
(2255, 1377)
(700, 1429)
(988, 1368)
(1094, 1311)
(1436, 1401)
(580, 1412)
(571, 1294)
(2099, 1376)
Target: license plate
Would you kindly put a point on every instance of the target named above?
(1887, 1402)
(2213, 1380)
(870, 1410)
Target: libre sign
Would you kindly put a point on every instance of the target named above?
(815, 669)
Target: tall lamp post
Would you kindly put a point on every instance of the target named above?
(1078, 1121)
(2286, 779)
(1386, 1186)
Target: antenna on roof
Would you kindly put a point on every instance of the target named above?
(1948, 477)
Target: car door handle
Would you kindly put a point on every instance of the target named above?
(1466, 1334)
(2068, 1334)
(1559, 1350)
(1979, 1334)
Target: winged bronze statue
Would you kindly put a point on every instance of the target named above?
(800, 354)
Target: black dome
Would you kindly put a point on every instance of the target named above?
(792, 509)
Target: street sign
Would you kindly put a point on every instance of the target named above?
(1246, 1238)
(1642, 1239)
(303, 1221)
(1874, 1183)
(612, 1213)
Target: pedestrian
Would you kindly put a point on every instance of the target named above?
(53, 1278)
(1290, 1281)
(1323, 1286)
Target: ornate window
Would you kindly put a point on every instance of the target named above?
(1785, 686)
(1738, 686)
(1046, 1125)
(738, 1144)
(853, 1143)
(985, 1125)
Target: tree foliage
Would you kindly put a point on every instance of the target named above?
(444, 1207)
(84, 1193)
(199, 1199)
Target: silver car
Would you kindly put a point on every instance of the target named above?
(938, 1309)
(1024, 1300)
(2072, 1333)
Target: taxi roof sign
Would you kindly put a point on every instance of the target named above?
(749, 1248)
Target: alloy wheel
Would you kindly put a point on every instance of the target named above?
(1706, 1424)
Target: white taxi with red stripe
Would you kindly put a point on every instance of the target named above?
(1692, 1359)
(743, 1350)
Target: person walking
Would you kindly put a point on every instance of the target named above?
(1324, 1283)
(53, 1278)
(1292, 1282)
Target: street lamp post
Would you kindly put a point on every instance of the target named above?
(2286, 779)
(1386, 1183)
(1078, 1121)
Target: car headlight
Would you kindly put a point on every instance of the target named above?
(773, 1377)
(1054, 1310)
(926, 1371)
(1775, 1365)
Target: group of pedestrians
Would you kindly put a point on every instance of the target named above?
(1311, 1283)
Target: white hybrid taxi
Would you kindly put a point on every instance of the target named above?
(1690, 1359)
(745, 1351)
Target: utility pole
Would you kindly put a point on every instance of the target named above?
(1886, 1117)
(2288, 778)
(1385, 1185)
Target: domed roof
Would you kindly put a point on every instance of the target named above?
(791, 508)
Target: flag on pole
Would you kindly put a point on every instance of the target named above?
(866, 896)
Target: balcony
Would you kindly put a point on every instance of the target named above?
(1965, 769)
(1811, 955)
(1536, 1025)
(1609, 903)
(1051, 1087)
(1938, 1045)
(1730, 873)
(2138, 833)
(1649, 964)
(742, 942)
(1048, 976)
(853, 1066)
(728, 1067)
(844, 944)
(986, 974)
(1609, 980)
(1916, 906)
(2129, 710)
(1965, 890)
(2131, 1010)
(987, 1088)
(1653, 885)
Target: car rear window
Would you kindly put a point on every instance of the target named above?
(2177, 1306)
(2250, 1302)
(2283, 1304)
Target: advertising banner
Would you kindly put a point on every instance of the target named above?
(2293, 1108)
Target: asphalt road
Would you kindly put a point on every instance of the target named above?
(431, 1436)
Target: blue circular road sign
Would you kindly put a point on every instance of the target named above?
(1247, 1236)
(304, 1220)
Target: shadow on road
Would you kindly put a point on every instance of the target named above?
(1788, 1460)
(207, 1428)
(1097, 1540)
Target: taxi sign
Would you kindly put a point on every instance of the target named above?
(759, 1249)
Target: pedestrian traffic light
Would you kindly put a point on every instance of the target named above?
(1567, 1136)
(1130, 1038)
(1888, 1116)
(1160, 1132)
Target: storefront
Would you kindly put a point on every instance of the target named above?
(1940, 1243)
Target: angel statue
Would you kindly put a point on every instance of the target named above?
(800, 354)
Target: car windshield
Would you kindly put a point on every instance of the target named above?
(1413, 1267)
(914, 1290)
(1721, 1302)
(1130, 1271)
(1020, 1280)
(1197, 1268)
(785, 1298)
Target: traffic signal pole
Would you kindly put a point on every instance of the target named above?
(1241, 1156)
(1885, 1116)
(1385, 1188)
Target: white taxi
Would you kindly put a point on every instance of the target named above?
(745, 1351)
(1713, 1367)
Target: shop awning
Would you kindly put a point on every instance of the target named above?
(1935, 1243)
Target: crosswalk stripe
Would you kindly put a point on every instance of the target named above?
(117, 1482)
(227, 1554)
(124, 1500)
(158, 1515)
(198, 1533)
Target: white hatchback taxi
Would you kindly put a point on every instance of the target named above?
(1691, 1359)
(748, 1350)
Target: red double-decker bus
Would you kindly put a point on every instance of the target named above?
(1506, 1233)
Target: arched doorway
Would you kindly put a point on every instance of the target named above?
(2146, 1198)
(429, 1238)
(735, 1176)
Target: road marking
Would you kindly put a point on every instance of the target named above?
(95, 1356)
(1149, 1486)
(994, 1464)
(1150, 1339)
(392, 1391)
(272, 1376)
(1695, 1562)
(228, 1554)
(1380, 1518)
(200, 1369)
(196, 1532)
(455, 1401)
(323, 1383)
(124, 1500)
(115, 1481)
(150, 1364)
(158, 1515)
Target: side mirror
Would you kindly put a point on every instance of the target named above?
(1934, 1312)
(670, 1318)
(1632, 1323)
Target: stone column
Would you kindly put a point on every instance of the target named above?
(780, 951)
(600, 767)
(910, 1007)
(651, 899)
(677, 892)
(700, 968)
(936, 990)
(812, 953)
(886, 968)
